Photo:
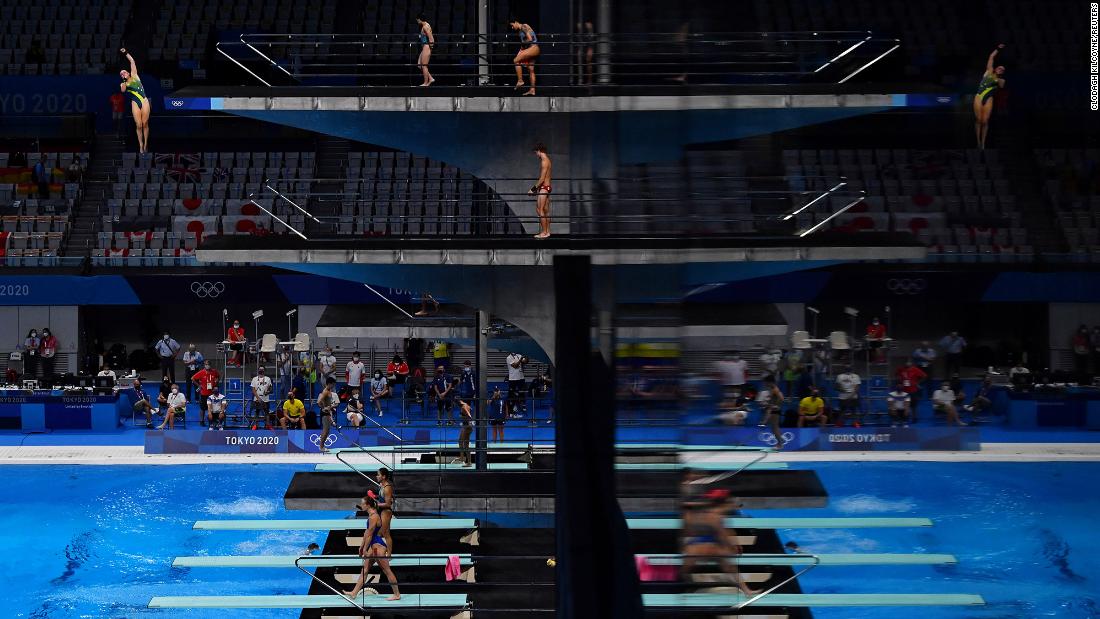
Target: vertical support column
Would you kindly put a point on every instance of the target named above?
(596, 576)
(483, 42)
(481, 407)
(603, 42)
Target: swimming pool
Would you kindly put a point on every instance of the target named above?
(98, 541)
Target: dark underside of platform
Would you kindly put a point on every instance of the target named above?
(610, 90)
(561, 242)
(512, 578)
(757, 489)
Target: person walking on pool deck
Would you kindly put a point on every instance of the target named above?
(542, 189)
(385, 504)
(374, 549)
(327, 402)
(770, 400)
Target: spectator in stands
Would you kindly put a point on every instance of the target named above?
(529, 50)
(35, 53)
(769, 362)
(397, 371)
(215, 409)
(847, 389)
(167, 350)
(540, 385)
(732, 372)
(910, 377)
(379, 390)
(1082, 353)
(427, 42)
(983, 397)
(162, 396)
(953, 346)
(467, 381)
(899, 406)
(960, 391)
(234, 337)
(139, 104)
(812, 409)
(441, 391)
(1019, 375)
(326, 362)
(542, 188)
(192, 363)
(441, 355)
(943, 401)
(354, 371)
(106, 371)
(141, 403)
(924, 357)
(177, 405)
(498, 413)
(983, 101)
(876, 336)
(47, 350)
(118, 110)
(41, 175)
(205, 381)
(75, 171)
(30, 353)
(261, 398)
(355, 409)
(292, 412)
(516, 383)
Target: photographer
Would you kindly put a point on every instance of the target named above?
(516, 383)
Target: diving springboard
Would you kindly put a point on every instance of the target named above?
(830, 560)
(408, 601)
(282, 561)
(808, 600)
(788, 523)
(520, 446)
(397, 524)
(368, 467)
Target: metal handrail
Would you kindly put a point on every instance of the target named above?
(816, 562)
(355, 469)
(724, 475)
(297, 564)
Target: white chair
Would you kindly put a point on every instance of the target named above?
(301, 342)
(268, 343)
(799, 340)
(838, 340)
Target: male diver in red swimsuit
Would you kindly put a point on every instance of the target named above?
(542, 189)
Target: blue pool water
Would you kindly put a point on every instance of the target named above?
(97, 542)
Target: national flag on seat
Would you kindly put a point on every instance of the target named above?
(180, 167)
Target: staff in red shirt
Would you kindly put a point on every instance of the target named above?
(910, 377)
(397, 371)
(205, 380)
(236, 340)
(876, 333)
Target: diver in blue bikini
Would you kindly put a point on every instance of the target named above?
(139, 104)
(374, 549)
(427, 42)
(705, 537)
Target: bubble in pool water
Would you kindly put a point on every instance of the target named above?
(867, 504)
(244, 506)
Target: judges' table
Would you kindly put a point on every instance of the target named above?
(1052, 406)
(41, 410)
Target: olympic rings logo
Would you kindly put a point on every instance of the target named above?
(177, 103)
(207, 290)
(903, 286)
(329, 442)
(768, 438)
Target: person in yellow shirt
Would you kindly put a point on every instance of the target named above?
(293, 411)
(812, 409)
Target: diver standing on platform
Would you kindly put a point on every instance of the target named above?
(427, 42)
(542, 189)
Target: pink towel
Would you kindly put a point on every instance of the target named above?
(453, 569)
(648, 572)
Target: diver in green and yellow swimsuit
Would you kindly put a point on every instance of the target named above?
(983, 101)
(139, 104)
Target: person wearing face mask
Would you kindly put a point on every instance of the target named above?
(167, 350)
(215, 409)
(192, 363)
(355, 409)
(293, 412)
(379, 389)
(30, 353)
(204, 381)
(354, 371)
(234, 338)
(177, 405)
(48, 351)
(261, 398)
(876, 334)
(812, 409)
(732, 372)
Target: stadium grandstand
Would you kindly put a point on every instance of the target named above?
(805, 295)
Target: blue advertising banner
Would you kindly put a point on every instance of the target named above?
(69, 94)
(263, 441)
(66, 290)
(843, 439)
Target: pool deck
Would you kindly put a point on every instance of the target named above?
(99, 454)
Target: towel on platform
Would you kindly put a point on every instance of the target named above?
(453, 569)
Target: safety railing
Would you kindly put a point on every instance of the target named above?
(361, 449)
(815, 561)
(563, 61)
(321, 581)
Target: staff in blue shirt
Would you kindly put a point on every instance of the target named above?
(192, 362)
(467, 381)
(441, 391)
(498, 412)
(167, 350)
